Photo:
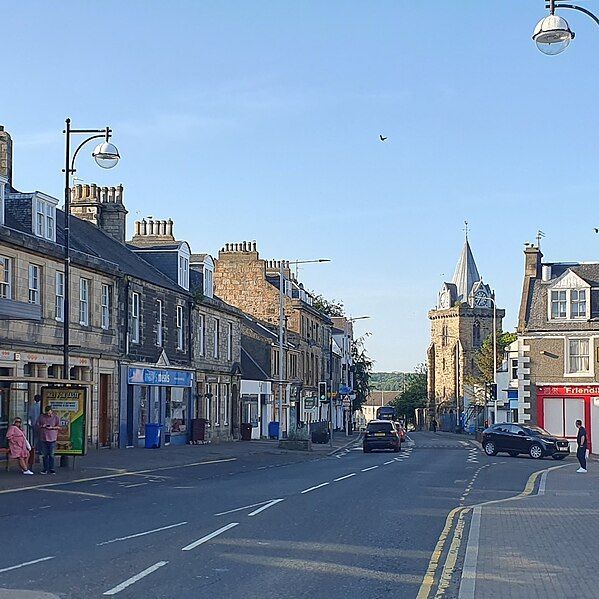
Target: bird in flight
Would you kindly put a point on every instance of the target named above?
(382, 138)
(596, 230)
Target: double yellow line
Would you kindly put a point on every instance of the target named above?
(457, 515)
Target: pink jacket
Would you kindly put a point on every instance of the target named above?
(17, 442)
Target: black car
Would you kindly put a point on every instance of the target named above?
(523, 438)
(381, 434)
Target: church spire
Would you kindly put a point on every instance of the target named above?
(466, 273)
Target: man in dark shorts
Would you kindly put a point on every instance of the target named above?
(582, 444)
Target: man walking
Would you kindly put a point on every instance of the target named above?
(48, 425)
(581, 442)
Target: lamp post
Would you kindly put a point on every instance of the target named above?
(106, 156)
(552, 34)
(282, 265)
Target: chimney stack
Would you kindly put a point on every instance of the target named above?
(532, 262)
(5, 155)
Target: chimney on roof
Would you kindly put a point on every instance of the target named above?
(153, 232)
(5, 155)
(532, 262)
(101, 206)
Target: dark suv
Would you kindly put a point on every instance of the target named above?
(521, 438)
(381, 434)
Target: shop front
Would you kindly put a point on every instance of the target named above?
(155, 396)
(256, 406)
(560, 406)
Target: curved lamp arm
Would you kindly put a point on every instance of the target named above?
(576, 7)
(73, 170)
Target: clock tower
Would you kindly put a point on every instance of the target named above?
(460, 322)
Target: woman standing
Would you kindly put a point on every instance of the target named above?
(18, 445)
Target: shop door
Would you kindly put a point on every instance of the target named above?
(104, 411)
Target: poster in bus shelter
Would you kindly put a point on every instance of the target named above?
(69, 404)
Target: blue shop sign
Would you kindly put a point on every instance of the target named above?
(160, 378)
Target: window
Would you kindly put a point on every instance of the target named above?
(578, 303)
(44, 220)
(180, 336)
(135, 317)
(59, 292)
(293, 366)
(558, 304)
(208, 414)
(275, 362)
(184, 272)
(514, 369)
(444, 335)
(217, 404)
(578, 355)
(226, 403)
(216, 337)
(229, 341)
(159, 323)
(476, 333)
(34, 284)
(84, 302)
(201, 334)
(5, 277)
(105, 314)
(208, 282)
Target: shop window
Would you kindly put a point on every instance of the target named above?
(144, 407)
(176, 408)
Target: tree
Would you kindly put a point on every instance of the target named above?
(415, 394)
(328, 307)
(362, 367)
(484, 356)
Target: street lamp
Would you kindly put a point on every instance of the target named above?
(282, 264)
(552, 34)
(106, 156)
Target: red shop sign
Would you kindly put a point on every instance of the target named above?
(573, 390)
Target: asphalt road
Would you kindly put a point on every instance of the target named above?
(349, 525)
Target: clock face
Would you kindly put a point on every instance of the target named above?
(481, 300)
(444, 299)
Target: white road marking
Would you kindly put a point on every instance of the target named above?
(134, 485)
(468, 582)
(35, 561)
(265, 507)
(210, 536)
(367, 469)
(389, 462)
(134, 579)
(240, 509)
(314, 488)
(542, 483)
(141, 534)
(75, 493)
(344, 477)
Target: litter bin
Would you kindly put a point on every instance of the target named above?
(273, 430)
(246, 431)
(153, 435)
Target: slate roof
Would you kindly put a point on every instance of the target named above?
(466, 273)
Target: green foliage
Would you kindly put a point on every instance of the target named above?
(388, 381)
(362, 369)
(328, 307)
(414, 396)
(484, 356)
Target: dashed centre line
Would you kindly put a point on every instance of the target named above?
(209, 536)
(142, 534)
(35, 561)
(265, 507)
(314, 488)
(134, 579)
(367, 469)
(344, 477)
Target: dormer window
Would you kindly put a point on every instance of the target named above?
(44, 219)
(208, 280)
(569, 304)
(184, 272)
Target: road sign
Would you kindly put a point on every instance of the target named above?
(309, 403)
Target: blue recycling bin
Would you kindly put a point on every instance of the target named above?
(273, 430)
(153, 435)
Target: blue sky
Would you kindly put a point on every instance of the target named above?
(260, 120)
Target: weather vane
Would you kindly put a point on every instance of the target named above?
(466, 229)
(540, 236)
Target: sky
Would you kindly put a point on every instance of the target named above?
(260, 120)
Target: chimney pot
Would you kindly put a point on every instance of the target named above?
(137, 227)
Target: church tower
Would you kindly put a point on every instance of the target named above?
(461, 321)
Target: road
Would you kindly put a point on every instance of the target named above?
(348, 525)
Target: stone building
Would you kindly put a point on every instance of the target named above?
(251, 283)
(558, 346)
(460, 322)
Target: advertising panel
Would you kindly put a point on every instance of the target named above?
(69, 404)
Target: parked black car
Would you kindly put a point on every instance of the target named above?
(381, 434)
(523, 438)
